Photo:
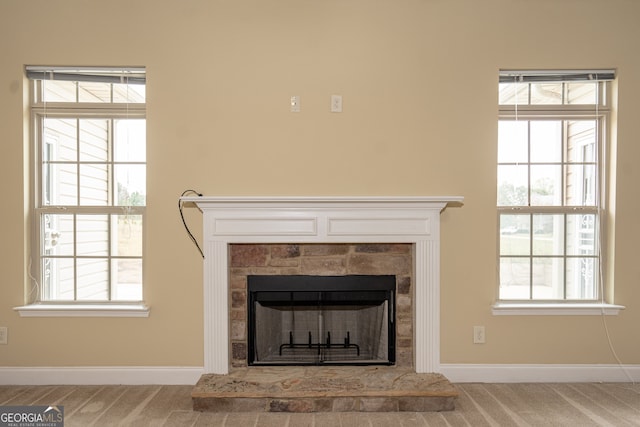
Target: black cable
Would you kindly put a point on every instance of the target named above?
(186, 227)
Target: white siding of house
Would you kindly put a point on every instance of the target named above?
(91, 231)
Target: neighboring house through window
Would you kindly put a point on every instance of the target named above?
(553, 131)
(89, 139)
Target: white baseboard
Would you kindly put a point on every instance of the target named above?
(467, 373)
(100, 375)
(176, 375)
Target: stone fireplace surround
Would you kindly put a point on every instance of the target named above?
(319, 259)
(322, 220)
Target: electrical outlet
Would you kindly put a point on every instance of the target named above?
(3, 335)
(478, 335)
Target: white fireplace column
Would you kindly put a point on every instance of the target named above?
(283, 220)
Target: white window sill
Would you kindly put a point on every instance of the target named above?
(84, 310)
(555, 309)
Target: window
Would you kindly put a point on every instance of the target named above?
(552, 134)
(89, 180)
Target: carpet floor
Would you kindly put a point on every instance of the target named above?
(575, 405)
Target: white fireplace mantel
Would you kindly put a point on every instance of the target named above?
(404, 219)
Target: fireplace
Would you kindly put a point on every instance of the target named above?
(321, 320)
(411, 220)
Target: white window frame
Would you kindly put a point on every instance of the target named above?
(528, 112)
(39, 306)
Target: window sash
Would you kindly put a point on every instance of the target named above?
(40, 114)
(66, 250)
(566, 164)
(540, 254)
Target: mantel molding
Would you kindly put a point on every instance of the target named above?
(322, 219)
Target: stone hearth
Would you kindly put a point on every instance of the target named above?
(324, 389)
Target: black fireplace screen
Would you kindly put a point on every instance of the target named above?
(311, 320)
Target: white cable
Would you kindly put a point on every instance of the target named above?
(34, 289)
(600, 154)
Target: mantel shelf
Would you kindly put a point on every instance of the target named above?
(204, 202)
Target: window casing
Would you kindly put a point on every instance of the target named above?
(552, 137)
(89, 175)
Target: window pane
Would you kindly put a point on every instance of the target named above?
(512, 185)
(131, 181)
(58, 279)
(130, 140)
(546, 141)
(512, 141)
(132, 93)
(548, 234)
(514, 235)
(581, 141)
(546, 185)
(60, 186)
(581, 93)
(513, 93)
(126, 235)
(57, 235)
(94, 92)
(92, 234)
(126, 279)
(548, 278)
(514, 278)
(582, 276)
(94, 140)
(581, 234)
(58, 91)
(581, 185)
(93, 279)
(64, 134)
(94, 185)
(546, 93)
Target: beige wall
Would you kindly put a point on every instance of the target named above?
(419, 83)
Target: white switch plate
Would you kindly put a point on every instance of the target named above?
(478, 335)
(295, 104)
(336, 103)
(3, 335)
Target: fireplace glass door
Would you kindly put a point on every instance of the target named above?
(313, 320)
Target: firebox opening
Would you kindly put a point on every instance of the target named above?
(313, 320)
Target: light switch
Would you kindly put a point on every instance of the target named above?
(336, 103)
